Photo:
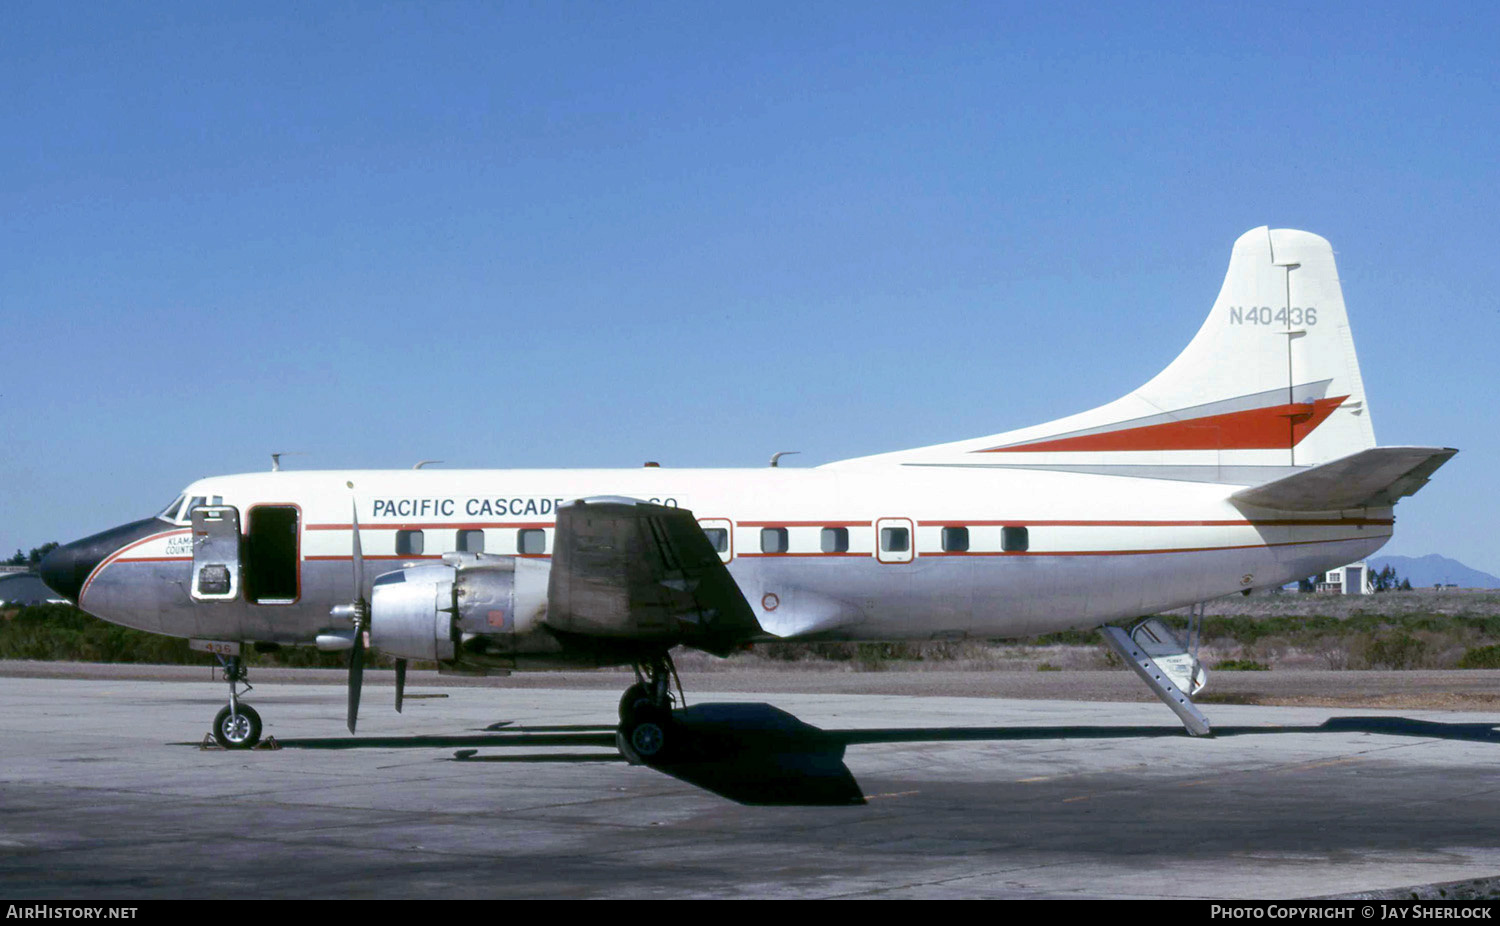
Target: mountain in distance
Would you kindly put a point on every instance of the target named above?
(1432, 569)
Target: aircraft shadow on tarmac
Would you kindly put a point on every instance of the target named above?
(758, 754)
(761, 755)
(1480, 732)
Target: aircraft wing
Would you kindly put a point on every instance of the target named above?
(1374, 478)
(630, 571)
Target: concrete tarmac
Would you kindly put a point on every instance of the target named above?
(105, 792)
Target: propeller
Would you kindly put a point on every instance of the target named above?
(358, 612)
(400, 682)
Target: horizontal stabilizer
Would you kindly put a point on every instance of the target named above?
(1373, 478)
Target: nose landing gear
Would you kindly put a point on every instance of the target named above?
(237, 726)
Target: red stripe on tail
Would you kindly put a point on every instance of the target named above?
(1254, 429)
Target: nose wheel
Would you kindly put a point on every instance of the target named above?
(237, 728)
(237, 725)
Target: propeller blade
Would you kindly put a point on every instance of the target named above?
(400, 682)
(359, 554)
(356, 676)
(358, 612)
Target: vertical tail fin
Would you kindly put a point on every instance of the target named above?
(1270, 381)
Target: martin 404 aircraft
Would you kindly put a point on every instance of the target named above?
(1247, 463)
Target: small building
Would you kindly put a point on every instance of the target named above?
(1353, 579)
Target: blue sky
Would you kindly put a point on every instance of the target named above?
(554, 234)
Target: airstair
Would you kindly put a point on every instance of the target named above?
(1169, 667)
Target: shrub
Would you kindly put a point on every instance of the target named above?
(1395, 651)
(1480, 657)
(62, 632)
(1241, 665)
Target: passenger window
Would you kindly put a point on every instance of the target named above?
(471, 541)
(895, 539)
(718, 538)
(955, 539)
(1014, 539)
(773, 540)
(409, 543)
(835, 540)
(531, 542)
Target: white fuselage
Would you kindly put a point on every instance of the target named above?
(1095, 548)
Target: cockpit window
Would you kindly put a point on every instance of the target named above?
(170, 514)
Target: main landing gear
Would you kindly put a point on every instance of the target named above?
(646, 724)
(237, 725)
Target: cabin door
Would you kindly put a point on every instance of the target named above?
(216, 553)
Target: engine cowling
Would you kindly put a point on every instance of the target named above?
(470, 604)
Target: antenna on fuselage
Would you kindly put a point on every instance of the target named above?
(276, 458)
(425, 463)
(776, 457)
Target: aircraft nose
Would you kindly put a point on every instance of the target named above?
(66, 568)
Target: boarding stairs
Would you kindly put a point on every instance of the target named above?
(1169, 667)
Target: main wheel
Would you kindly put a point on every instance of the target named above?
(634, 698)
(237, 731)
(650, 734)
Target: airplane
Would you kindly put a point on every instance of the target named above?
(1249, 462)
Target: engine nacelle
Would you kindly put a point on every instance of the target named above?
(411, 613)
(439, 611)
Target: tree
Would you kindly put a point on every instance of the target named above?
(1387, 580)
(38, 552)
(33, 559)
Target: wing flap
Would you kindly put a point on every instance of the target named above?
(625, 570)
(1374, 478)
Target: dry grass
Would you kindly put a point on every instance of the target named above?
(975, 655)
(1442, 602)
(1420, 629)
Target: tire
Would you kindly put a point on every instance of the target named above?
(241, 731)
(650, 734)
(633, 700)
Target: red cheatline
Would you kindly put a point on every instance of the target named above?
(1252, 429)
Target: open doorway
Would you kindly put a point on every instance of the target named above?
(271, 556)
